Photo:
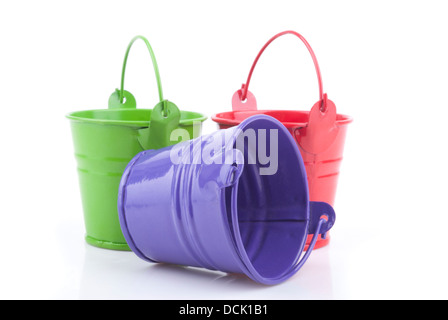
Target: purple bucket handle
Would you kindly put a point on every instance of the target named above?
(322, 218)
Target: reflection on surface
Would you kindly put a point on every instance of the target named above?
(111, 274)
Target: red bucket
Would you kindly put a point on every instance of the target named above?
(319, 133)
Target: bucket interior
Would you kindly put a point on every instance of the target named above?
(269, 212)
(138, 117)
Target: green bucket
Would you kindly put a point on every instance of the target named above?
(106, 140)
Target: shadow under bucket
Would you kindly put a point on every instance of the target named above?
(220, 202)
(319, 133)
(106, 140)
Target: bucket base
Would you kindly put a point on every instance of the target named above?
(107, 244)
(319, 243)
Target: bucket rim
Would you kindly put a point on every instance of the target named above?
(227, 117)
(233, 230)
(138, 123)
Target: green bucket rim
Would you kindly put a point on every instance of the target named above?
(190, 118)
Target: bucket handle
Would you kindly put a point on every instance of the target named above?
(322, 219)
(310, 249)
(243, 99)
(117, 98)
(165, 116)
(321, 130)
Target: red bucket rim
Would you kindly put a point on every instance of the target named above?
(289, 118)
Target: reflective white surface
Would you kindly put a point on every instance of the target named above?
(378, 65)
(356, 265)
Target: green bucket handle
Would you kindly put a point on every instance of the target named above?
(165, 115)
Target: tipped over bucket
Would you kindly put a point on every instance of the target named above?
(106, 140)
(319, 133)
(235, 201)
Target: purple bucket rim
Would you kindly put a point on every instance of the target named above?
(246, 261)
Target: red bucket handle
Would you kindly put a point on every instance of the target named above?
(244, 99)
(321, 129)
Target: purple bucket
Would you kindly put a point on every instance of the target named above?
(220, 202)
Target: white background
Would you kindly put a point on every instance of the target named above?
(382, 62)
